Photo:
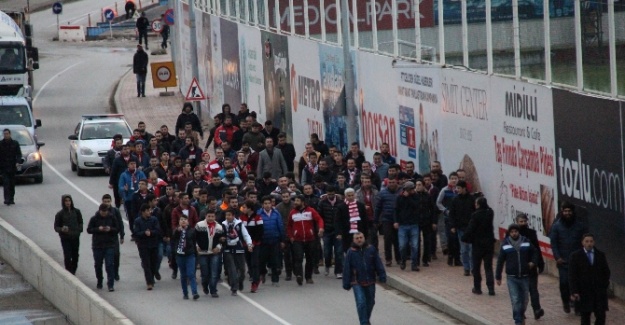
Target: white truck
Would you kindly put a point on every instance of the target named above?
(18, 57)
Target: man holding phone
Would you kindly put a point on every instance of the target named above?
(103, 227)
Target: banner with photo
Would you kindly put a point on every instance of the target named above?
(466, 136)
(419, 98)
(214, 64)
(184, 68)
(275, 56)
(379, 122)
(203, 32)
(306, 92)
(589, 166)
(332, 72)
(252, 79)
(230, 65)
(522, 125)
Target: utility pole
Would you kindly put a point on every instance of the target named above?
(348, 75)
(194, 62)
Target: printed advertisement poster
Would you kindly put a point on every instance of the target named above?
(332, 70)
(277, 82)
(306, 92)
(378, 122)
(214, 64)
(202, 25)
(230, 65)
(523, 139)
(589, 165)
(467, 131)
(252, 79)
(418, 96)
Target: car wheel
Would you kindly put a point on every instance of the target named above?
(81, 172)
(72, 164)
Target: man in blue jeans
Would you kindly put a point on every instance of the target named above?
(184, 243)
(519, 256)
(362, 266)
(460, 211)
(208, 236)
(407, 223)
(332, 239)
(103, 227)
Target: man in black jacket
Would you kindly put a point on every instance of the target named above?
(480, 234)
(589, 277)
(332, 237)
(10, 159)
(106, 199)
(407, 223)
(147, 233)
(68, 223)
(531, 235)
(288, 151)
(460, 211)
(140, 67)
(142, 27)
(103, 227)
(187, 115)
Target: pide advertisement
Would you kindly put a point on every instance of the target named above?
(306, 92)
(418, 96)
(589, 167)
(523, 141)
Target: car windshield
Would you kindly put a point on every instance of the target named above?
(12, 58)
(15, 114)
(22, 137)
(104, 130)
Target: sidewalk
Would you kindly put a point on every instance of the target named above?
(439, 285)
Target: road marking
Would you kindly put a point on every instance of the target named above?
(260, 307)
(50, 80)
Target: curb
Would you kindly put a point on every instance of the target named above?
(115, 101)
(435, 301)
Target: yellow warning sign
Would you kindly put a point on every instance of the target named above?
(163, 74)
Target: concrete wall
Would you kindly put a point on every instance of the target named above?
(63, 290)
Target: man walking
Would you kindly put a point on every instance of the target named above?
(460, 211)
(362, 266)
(10, 160)
(479, 233)
(140, 69)
(184, 243)
(273, 237)
(589, 277)
(566, 237)
(332, 237)
(530, 234)
(68, 223)
(300, 229)
(519, 257)
(164, 33)
(147, 233)
(142, 27)
(103, 227)
(106, 199)
(208, 237)
(271, 160)
(385, 214)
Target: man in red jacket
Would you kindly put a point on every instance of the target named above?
(300, 228)
(184, 209)
(225, 132)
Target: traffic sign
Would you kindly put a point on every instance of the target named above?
(157, 25)
(169, 17)
(195, 93)
(57, 8)
(109, 14)
(163, 74)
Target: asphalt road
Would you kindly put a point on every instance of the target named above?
(78, 78)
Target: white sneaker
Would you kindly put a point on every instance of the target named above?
(327, 271)
(339, 276)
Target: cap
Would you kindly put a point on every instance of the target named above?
(409, 185)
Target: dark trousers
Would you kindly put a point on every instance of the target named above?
(131, 219)
(372, 237)
(252, 259)
(141, 84)
(270, 257)
(453, 244)
(391, 242)
(485, 255)
(143, 34)
(164, 43)
(149, 262)
(235, 268)
(118, 199)
(287, 257)
(116, 257)
(301, 249)
(317, 251)
(426, 233)
(209, 269)
(70, 253)
(173, 264)
(104, 255)
(333, 247)
(565, 292)
(534, 296)
(599, 317)
(8, 183)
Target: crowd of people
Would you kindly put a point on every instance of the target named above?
(258, 209)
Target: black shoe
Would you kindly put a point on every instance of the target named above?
(196, 296)
(445, 251)
(157, 276)
(11, 202)
(434, 257)
(450, 261)
(185, 297)
(262, 278)
(116, 277)
(491, 292)
(567, 308)
(415, 268)
(389, 263)
(310, 281)
(138, 96)
(467, 272)
(426, 264)
(402, 265)
(174, 274)
(99, 285)
(316, 270)
(234, 293)
(539, 313)
(288, 278)
(205, 289)
(300, 280)
(111, 289)
(214, 295)
(142, 95)
(457, 262)
(241, 286)
(476, 291)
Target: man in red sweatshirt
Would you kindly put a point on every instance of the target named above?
(300, 228)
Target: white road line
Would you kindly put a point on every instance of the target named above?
(50, 80)
(96, 202)
(260, 307)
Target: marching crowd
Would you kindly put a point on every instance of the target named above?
(259, 209)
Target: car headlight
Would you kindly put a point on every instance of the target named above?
(86, 151)
(32, 157)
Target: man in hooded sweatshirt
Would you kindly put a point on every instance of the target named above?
(69, 224)
(187, 115)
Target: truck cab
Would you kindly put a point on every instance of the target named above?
(18, 58)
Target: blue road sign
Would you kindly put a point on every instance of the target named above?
(169, 17)
(109, 14)
(57, 8)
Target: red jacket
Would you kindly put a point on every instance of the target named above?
(175, 217)
(225, 133)
(301, 224)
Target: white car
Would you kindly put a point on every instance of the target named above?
(92, 139)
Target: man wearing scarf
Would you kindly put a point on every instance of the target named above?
(352, 218)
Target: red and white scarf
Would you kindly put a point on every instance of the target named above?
(354, 217)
